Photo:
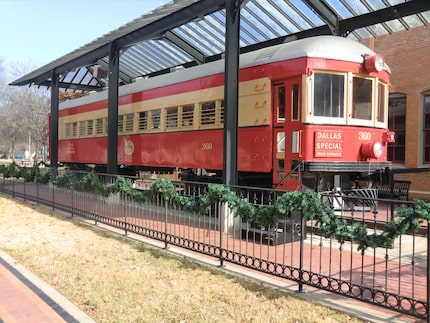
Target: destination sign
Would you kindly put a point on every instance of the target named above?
(328, 143)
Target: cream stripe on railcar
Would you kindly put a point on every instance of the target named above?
(330, 47)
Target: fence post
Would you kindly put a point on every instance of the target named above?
(221, 216)
(428, 273)
(302, 235)
(165, 222)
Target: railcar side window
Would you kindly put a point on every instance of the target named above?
(99, 126)
(90, 127)
(187, 115)
(82, 128)
(207, 113)
(74, 129)
(172, 117)
(129, 122)
(222, 112)
(155, 119)
(121, 123)
(68, 130)
(295, 102)
(143, 120)
(362, 98)
(281, 104)
(329, 95)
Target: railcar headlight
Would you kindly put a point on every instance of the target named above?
(372, 150)
(374, 63)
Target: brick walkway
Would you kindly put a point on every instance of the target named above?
(24, 298)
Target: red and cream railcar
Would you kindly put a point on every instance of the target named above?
(319, 102)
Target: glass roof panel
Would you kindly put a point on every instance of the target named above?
(261, 20)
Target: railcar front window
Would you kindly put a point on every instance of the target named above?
(329, 95)
(381, 103)
(362, 98)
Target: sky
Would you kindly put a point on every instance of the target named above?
(36, 32)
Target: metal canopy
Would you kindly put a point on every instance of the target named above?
(185, 33)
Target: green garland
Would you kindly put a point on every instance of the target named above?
(407, 218)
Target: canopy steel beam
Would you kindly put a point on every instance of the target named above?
(53, 140)
(185, 46)
(394, 12)
(112, 122)
(231, 92)
(326, 14)
(72, 86)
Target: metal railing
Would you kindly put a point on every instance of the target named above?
(395, 278)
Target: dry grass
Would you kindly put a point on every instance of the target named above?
(114, 279)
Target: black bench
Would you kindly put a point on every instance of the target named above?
(399, 189)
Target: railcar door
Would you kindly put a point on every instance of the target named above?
(286, 133)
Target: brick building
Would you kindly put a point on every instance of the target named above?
(408, 55)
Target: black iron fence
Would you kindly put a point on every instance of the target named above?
(293, 248)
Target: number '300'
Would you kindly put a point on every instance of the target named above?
(364, 135)
(207, 146)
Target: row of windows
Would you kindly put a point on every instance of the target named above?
(209, 114)
(329, 97)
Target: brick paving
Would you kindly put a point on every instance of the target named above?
(26, 299)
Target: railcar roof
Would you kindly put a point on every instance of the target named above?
(325, 47)
(186, 33)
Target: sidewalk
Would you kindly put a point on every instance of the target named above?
(24, 298)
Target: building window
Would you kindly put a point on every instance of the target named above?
(426, 129)
(397, 123)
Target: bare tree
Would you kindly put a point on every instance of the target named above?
(25, 112)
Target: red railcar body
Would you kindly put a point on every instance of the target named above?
(316, 102)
